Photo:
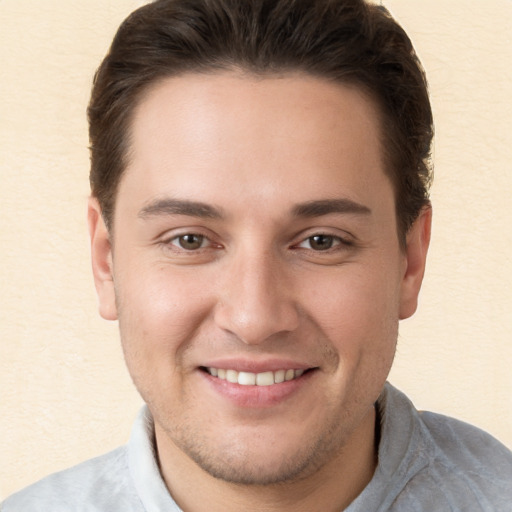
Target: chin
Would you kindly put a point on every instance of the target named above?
(248, 470)
(259, 459)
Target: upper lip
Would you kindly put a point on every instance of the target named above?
(257, 366)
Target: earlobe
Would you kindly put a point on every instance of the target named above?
(101, 257)
(418, 239)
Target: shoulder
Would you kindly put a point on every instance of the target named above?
(466, 444)
(469, 454)
(466, 469)
(99, 484)
(448, 464)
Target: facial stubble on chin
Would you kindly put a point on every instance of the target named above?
(238, 465)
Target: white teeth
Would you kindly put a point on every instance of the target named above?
(232, 376)
(279, 376)
(247, 379)
(255, 379)
(265, 379)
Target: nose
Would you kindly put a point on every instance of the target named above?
(256, 300)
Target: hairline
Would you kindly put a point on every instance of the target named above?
(252, 72)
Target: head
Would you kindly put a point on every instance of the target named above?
(344, 41)
(259, 225)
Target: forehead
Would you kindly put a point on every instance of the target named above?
(260, 101)
(292, 133)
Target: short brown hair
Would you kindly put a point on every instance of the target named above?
(349, 41)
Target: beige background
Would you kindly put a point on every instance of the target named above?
(64, 393)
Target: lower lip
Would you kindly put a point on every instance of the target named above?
(257, 396)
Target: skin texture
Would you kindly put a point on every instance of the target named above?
(238, 161)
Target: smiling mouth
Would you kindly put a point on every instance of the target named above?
(255, 379)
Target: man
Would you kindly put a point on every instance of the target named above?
(259, 225)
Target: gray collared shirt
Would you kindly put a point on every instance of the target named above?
(427, 462)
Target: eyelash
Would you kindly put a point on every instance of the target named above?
(176, 241)
(334, 242)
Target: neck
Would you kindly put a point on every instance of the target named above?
(331, 487)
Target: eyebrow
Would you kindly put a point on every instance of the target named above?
(170, 206)
(327, 206)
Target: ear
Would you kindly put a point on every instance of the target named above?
(101, 256)
(417, 240)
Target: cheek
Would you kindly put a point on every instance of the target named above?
(158, 318)
(159, 313)
(357, 309)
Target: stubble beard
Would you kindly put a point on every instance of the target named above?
(239, 464)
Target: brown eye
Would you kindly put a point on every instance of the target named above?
(321, 242)
(190, 242)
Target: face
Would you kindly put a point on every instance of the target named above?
(255, 270)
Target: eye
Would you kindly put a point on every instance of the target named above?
(320, 242)
(190, 241)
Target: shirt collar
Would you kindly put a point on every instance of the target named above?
(143, 466)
